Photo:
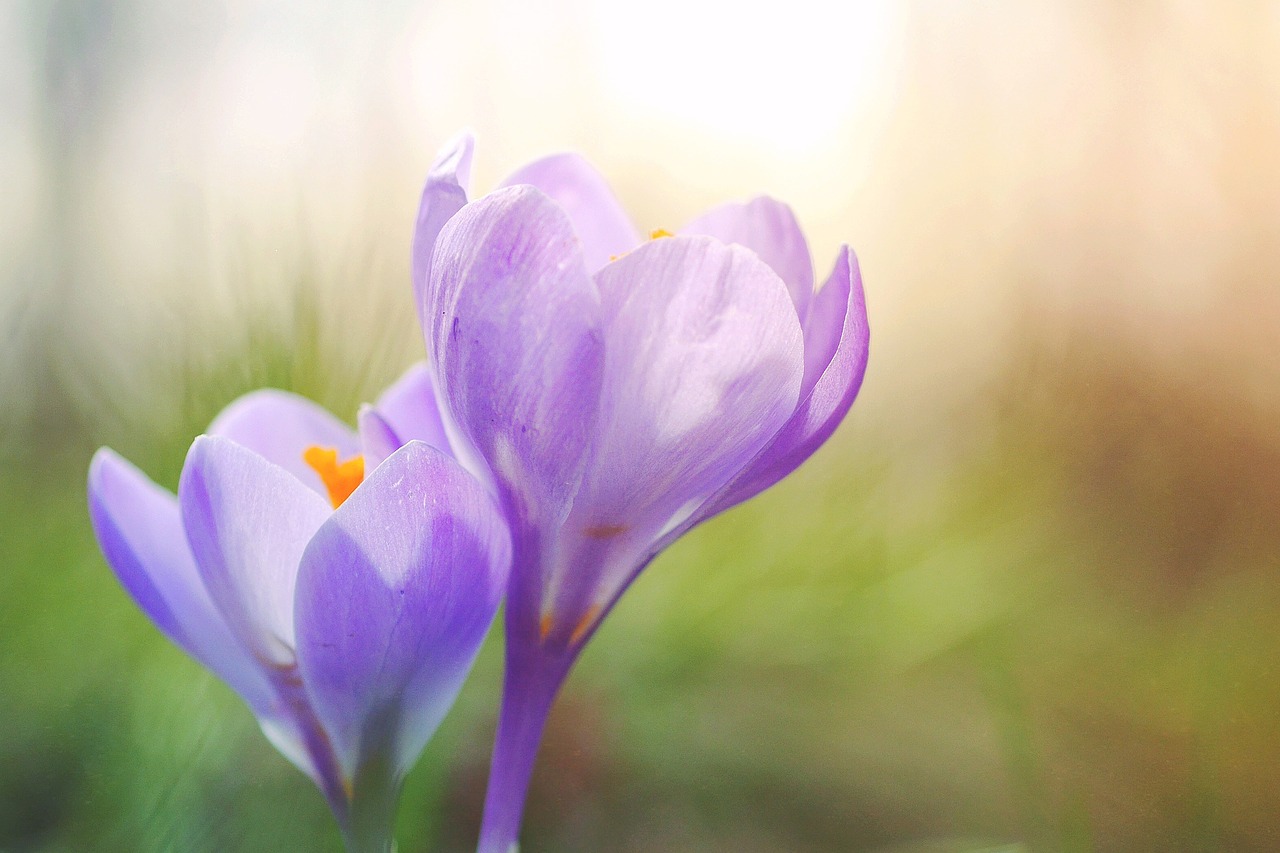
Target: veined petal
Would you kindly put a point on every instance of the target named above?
(584, 194)
(768, 228)
(704, 364)
(444, 195)
(140, 531)
(513, 333)
(409, 407)
(248, 521)
(395, 594)
(280, 425)
(837, 325)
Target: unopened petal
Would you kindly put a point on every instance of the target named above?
(513, 333)
(280, 425)
(248, 521)
(768, 228)
(584, 194)
(394, 598)
(704, 364)
(444, 195)
(839, 314)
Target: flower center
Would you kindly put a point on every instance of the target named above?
(339, 478)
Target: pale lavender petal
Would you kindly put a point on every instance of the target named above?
(768, 228)
(394, 598)
(598, 219)
(704, 363)
(377, 439)
(248, 522)
(279, 426)
(140, 531)
(444, 195)
(513, 333)
(409, 408)
(839, 312)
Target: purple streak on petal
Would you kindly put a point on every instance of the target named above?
(444, 195)
(395, 595)
(139, 528)
(768, 228)
(279, 426)
(377, 439)
(584, 194)
(513, 333)
(409, 408)
(704, 363)
(840, 307)
(248, 522)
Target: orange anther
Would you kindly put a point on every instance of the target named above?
(340, 479)
(584, 624)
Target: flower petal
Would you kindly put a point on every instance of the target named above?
(395, 595)
(768, 228)
(409, 407)
(248, 522)
(513, 333)
(584, 194)
(280, 425)
(377, 439)
(444, 195)
(837, 325)
(704, 364)
(140, 530)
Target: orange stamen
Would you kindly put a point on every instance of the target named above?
(584, 624)
(545, 625)
(340, 479)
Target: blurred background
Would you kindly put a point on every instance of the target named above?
(1026, 599)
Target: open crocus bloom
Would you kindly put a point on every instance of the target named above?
(617, 392)
(345, 610)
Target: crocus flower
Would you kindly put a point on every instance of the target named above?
(617, 391)
(345, 610)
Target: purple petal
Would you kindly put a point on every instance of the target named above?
(409, 407)
(839, 314)
(139, 528)
(248, 522)
(768, 228)
(395, 595)
(513, 332)
(444, 195)
(279, 426)
(377, 439)
(704, 363)
(598, 219)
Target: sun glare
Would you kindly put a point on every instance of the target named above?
(785, 80)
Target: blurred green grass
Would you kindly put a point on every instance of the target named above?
(961, 637)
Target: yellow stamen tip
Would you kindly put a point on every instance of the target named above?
(660, 232)
(340, 478)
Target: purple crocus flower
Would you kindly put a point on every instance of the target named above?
(345, 611)
(617, 391)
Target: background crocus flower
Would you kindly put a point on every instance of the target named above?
(618, 391)
(345, 610)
